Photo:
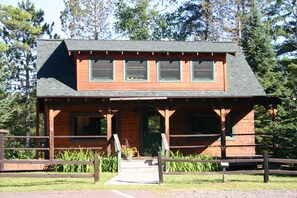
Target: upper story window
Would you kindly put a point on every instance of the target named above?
(202, 70)
(101, 70)
(136, 70)
(169, 70)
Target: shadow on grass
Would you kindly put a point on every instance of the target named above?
(46, 183)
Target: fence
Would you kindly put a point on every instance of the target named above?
(95, 163)
(265, 161)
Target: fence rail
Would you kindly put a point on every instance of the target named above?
(265, 160)
(95, 163)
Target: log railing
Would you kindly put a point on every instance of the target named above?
(265, 160)
(95, 163)
(118, 150)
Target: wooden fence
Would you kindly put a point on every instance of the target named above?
(95, 163)
(265, 171)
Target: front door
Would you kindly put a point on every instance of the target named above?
(153, 126)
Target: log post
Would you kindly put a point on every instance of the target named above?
(108, 114)
(223, 113)
(2, 133)
(52, 114)
(266, 166)
(160, 169)
(37, 129)
(96, 169)
(166, 113)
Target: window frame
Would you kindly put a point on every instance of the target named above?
(193, 79)
(168, 80)
(96, 79)
(74, 115)
(136, 80)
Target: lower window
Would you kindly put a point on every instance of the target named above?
(89, 124)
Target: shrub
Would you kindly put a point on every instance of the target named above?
(192, 167)
(107, 164)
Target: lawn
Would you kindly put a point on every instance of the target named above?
(171, 182)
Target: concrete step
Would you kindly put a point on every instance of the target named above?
(140, 166)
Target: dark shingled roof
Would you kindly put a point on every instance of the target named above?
(56, 75)
(150, 46)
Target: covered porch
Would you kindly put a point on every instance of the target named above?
(213, 126)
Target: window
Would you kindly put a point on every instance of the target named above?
(202, 70)
(205, 124)
(136, 70)
(89, 124)
(101, 70)
(211, 124)
(169, 70)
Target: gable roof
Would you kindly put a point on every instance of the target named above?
(56, 75)
(150, 46)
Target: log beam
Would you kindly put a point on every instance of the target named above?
(223, 113)
(167, 113)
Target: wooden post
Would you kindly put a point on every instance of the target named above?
(223, 113)
(2, 133)
(37, 129)
(96, 169)
(266, 166)
(160, 167)
(166, 113)
(51, 135)
(108, 114)
(52, 115)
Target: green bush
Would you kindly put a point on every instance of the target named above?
(107, 164)
(192, 167)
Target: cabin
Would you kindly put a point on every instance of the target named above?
(201, 95)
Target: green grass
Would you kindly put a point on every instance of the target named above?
(171, 183)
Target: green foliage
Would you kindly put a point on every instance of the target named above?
(191, 167)
(136, 19)
(106, 164)
(87, 19)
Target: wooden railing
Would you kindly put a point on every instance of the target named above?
(265, 160)
(165, 150)
(45, 148)
(95, 163)
(214, 136)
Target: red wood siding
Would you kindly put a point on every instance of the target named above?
(83, 82)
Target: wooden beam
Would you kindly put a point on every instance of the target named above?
(223, 113)
(37, 128)
(167, 113)
(52, 114)
(108, 114)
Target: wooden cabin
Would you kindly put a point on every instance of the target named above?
(200, 94)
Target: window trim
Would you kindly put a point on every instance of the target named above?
(72, 115)
(180, 70)
(92, 79)
(202, 80)
(136, 80)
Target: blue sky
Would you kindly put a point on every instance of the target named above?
(51, 8)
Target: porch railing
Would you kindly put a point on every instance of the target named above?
(118, 150)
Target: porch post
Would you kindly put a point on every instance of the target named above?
(37, 129)
(223, 113)
(108, 114)
(52, 115)
(166, 113)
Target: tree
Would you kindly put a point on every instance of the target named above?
(20, 29)
(137, 19)
(87, 19)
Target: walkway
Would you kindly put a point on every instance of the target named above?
(137, 172)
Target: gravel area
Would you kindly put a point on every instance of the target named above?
(234, 194)
(148, 194)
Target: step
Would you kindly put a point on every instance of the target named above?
(153, 169)
(139, 163)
